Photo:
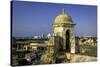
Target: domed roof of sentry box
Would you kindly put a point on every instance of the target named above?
(63, 18)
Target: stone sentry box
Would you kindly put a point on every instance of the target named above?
(62, 42)
(63, 29)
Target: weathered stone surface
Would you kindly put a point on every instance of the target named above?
(82, 58)
(49, 56)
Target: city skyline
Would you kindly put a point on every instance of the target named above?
(35, 18)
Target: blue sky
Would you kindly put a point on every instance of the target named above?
(36, 18)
